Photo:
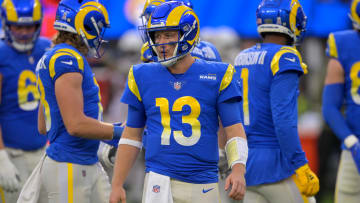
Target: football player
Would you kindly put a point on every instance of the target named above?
(277, 169)
(179, 100)
(21, 146)
(70, 113)
(342, 84)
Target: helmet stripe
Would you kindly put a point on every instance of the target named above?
(84, 10)
(354, 14)
(175, 15)
(102, 9)
(11, 14)
(37, 11)
(294, 8)
(198, 30)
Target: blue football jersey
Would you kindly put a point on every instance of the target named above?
(203, 50)
(62, 59)
(257, 66)
(182, 116)
(19, 96)
(343, 46)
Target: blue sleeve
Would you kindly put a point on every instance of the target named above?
(136, 117)
(289, 61)
(283, 98)
(64, 64)
(229, 112)
(333, 98)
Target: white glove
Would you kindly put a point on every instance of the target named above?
(9, 175)
(107, 155)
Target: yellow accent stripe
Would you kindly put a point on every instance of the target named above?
(99, 103)
(226, 80)
(78, 57)
(332, 46)
(65, 52)
(298, 185)
(132, 84)
(275, 61)
(37, 10)
(10, 10)
(144, 47)
(292, 18)
(70, 183)
(175, 15)
(354, 15)
(2, 195)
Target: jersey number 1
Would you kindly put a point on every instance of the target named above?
(245, 87)
(191, 119)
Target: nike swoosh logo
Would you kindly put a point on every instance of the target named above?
(67, 62)
(290, 59)
(205, 191)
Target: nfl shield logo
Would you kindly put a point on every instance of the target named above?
(156, 188)
(177, 85)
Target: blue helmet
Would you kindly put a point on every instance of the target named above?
(355, 14)
(87, 18)
(21, 13)
(174, 15)
(149, 7)
(281, 16)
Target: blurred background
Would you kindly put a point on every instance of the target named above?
(231, 26)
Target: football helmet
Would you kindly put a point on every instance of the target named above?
(281, 16)
(174, 15)
(21, 13)
(149, 7)
(87, 18)
(355, 14)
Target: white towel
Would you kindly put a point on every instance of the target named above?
(158, 189)
(31, 190)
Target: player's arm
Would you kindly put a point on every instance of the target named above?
(8, 172)
(128, 150)
(283, 100)
(69, 96)
(41, 120)
(236, 147)
(333, 97)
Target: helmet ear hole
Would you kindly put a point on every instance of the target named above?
(87, 28)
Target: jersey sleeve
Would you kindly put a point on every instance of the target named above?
(229, 87)
(65, 61)
(288, 58)
(131, 95)
(331, 47)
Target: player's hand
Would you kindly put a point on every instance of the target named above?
(222, 164)
(353, 144)
(307, 181)
(9, 175)
(117, 195)
(107, 155)
(236, 181)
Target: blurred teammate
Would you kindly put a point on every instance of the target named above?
(342, 84)
(70, 113)
(179, 100)
(277, 169)
(21, 146)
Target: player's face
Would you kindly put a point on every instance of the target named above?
(163, 37)
(23, 33)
